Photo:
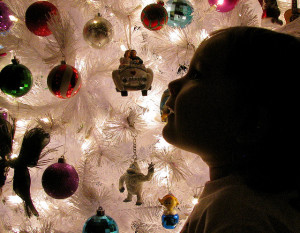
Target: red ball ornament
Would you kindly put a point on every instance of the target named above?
(60, 180)
(37, 16)
(154, 16)
(64, 81)
(223, 5)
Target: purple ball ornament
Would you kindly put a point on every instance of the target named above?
(223, 5)
(60, 180)
(5, 22)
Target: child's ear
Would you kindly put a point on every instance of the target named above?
(255, 126)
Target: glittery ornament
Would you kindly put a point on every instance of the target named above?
(100, 223)
(64, 81)
(15, 79)
(179, 13)
(37, 16)
(5, 22)
(98, 32)
(223, 5)
(60, 180)
(154, 16)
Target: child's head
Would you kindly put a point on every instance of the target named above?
(239, 99)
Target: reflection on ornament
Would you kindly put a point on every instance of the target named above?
(64, 81)
(179, 12)
(100, 223)
(98, 32)
(170, 218)
(223, 5)
(3, 113)
(60, 180)
(5, 22)
(15, 79)
(132, 75)
(164, 111)
(154, 16)
(37, 16)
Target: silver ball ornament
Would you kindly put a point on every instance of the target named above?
(98, 32)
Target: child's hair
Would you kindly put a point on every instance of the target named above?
(265, 65)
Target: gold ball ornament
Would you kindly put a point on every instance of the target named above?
(98, 32)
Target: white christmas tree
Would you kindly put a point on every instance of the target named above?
(95, 129)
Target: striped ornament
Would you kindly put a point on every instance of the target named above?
(64, 81)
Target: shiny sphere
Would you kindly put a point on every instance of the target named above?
(64, 81)
(5, 22)
(170, 221)
(154, 17)
(37, 16)
(15, 79)
(100, 223)
(223, 5)
(179, 12)
(60, 180)
(98, 32)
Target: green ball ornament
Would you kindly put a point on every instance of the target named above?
(15, 79)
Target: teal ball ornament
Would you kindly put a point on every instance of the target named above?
(100, 223)
(15, 79)
(154, 16)
(179, 13)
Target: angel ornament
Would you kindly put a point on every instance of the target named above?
(134, 180)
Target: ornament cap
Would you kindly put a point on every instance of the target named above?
(100, 211)
(62, 160)
(15, 61)
(63, 62)
(160, 2)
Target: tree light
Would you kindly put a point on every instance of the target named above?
(195, 200)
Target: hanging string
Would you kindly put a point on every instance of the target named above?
(168, 182)
(134, 148)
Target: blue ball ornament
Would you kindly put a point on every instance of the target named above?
(170, 221)
(179, 13)
(100, 223)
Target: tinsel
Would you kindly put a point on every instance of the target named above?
(94, 129)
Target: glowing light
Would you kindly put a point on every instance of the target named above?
(220, 2)
(44, 205)
(13, 18)
(174, 36)
(21, 123)
(195, 201)
(163, 175)
(123, 48)
(14, 156)
(85, 145)
(15, 200)
(15, 230)
(46, 120)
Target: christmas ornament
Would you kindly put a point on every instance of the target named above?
(154, 16)
(223, 5)
(15, 79)
(64, 81)
(60, 180)
(132, 75)
(179, 13)
(164, 110)
(134, 179)
(3, 113)
(5, 22)
(37, 16)
(170, 218)
(33, 143)
(98, 32)
(100, 223)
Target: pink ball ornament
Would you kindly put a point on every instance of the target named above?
(5, 22)
(64, 81)
(60, 180)
(37, 16)
(223, 5)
